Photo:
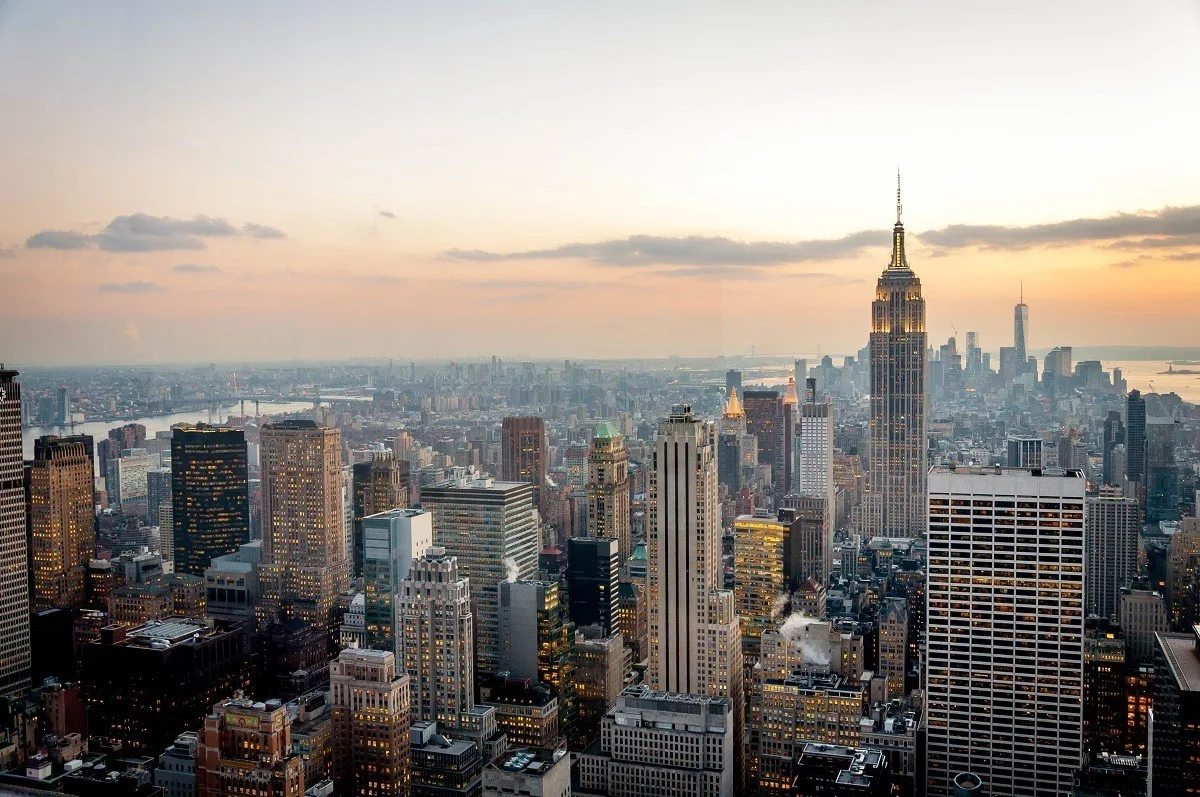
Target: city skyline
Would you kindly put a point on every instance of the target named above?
(497, 171)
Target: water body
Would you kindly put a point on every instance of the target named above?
(153, 424)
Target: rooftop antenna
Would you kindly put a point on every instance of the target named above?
(1022, 292)
(899, 207)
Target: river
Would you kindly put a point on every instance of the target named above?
(153, 424)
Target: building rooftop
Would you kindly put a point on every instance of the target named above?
(1180, 651)
(535, 761)
(606, 430)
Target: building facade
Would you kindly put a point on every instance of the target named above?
(608, 488)
(523, 453)
(370, 724)
(14, 548)
(391, 540)
(489, 526)
(1004, 669)
(246, 748)
(897, 426)
(1111, 561)
(210, 506)
(305, 563)
(62, 520)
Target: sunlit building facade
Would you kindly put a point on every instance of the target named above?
(62, 520)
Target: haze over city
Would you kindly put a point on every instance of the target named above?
(222, 182)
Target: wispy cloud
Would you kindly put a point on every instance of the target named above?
(1153, 229)
(130, 287)
(1143, 260)
(141, 232)
(192, 268)
(691, 254)
(387, 214)
(262, 231)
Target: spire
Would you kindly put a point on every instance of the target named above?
(733, 408)
(899, 261)
(1022, 301)
(789, 396)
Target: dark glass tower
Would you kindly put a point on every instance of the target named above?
(1135, 440)
(592, 569)
(210, 505)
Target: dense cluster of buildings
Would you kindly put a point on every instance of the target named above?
(907, 574)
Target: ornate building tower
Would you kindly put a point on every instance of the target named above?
(898, 452)
(608, 488)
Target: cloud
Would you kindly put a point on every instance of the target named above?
(141, 232)
(387, 214)
(5, 254)
(130, 287)
(1160, 228)
(262, 231)
(192, 268)
(1144, 259)
(694, 252)
(58, 239)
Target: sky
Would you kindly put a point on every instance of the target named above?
(220, 181)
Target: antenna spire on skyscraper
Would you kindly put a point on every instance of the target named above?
(899, 207)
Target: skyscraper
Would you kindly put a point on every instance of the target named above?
(379, 484)
(759, 586)
(1113, 524)
(1020, 333)
(695, 633)
(370, 724)
(731, 441)
(1135, 442)
(62, 520)
(14, 564)
(489, 527)
(608, 488)
(1114, 435)
(593, 565)
(391, 540)
(765, 420)
(523, 455)
(434, 632)
(814, 465)
(1162, 471)
(898, 446)
(305, 564)
(210, 508)
(1004, 672)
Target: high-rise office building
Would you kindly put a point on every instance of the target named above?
(1021, 333)
(210, 508)
(807, 547)
(814, 465)
(62, 520)
(694, 630)
(1113, 525)
(246, 748)
(378, 485)
(305, 563)
(1024, 452)
(608, 487)
(893, 644)
(1135, 442)
(593, 569)
(759, 586)
(1114, 435)
(732, 442)
(391, 540)
(765, 420)
(1174, 765)
(535, 643)
(1162, 471)
(523, 453)
(1004, 670)
(489, 526)
(370, 724)
(733, 380)
(662, 743)
(14, 548)
(898, 446)
(147, 685)
(63, 406)
(434, 634)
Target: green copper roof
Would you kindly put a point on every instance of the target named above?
(606, 429)
(639, 552)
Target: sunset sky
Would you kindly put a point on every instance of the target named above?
(188, 181)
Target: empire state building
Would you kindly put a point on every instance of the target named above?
(898, 456)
